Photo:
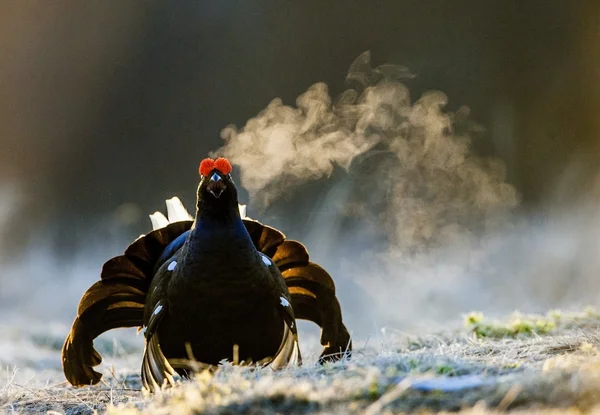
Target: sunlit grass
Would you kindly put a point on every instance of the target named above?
(546, 363)
(525, 325)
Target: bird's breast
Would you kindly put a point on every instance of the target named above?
(219, 285)
(221, 293)
(213, 312)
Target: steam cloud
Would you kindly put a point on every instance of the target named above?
(417, 178)
(428, 228)
(416, 231)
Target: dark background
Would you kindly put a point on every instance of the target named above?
(110, 103)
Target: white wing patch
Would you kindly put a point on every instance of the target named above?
(172, 266)
(266, 260)
(284, 301)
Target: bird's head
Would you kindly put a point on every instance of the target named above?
(216, 190)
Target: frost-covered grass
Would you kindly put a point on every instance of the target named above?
(512, 366)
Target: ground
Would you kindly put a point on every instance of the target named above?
(522, 364)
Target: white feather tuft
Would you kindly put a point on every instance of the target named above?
(176, 211)
(158, 220)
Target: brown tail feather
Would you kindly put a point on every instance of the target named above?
(312, 289)
(290, 254)
(265, 238)
(315, 301)
(78, 348)
(117, 300)
(143, 254)
(78, 354)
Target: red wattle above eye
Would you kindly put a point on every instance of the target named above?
(223, 165)
(206, 166)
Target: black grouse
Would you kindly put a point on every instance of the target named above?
(220, 287)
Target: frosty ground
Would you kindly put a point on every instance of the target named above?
(522, 364)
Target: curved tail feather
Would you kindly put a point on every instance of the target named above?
(322, 307)
(156, 369)
(117, 300)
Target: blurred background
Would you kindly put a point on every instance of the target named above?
(106, 109)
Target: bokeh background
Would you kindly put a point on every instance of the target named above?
(107, 107)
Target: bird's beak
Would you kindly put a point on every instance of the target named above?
(216, 185)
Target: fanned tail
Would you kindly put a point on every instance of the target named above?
(117, 300)
(105, 305)
(311, 287)
(314, 299)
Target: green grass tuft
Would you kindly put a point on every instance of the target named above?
(527, 325)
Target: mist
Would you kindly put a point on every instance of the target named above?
(414, 224)
(421, 208)
(419, 228)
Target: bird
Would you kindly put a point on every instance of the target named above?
(215, 287)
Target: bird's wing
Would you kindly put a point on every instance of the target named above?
(156, 369)
(117, 300)
(289, 351)
(311, 288)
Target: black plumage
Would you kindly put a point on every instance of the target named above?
(218, 287)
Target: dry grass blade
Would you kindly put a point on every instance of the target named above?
(388, 397)
(555, 371)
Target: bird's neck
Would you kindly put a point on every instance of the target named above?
(223, 226)
(207, 225)
(216, 242)
(219, 214)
